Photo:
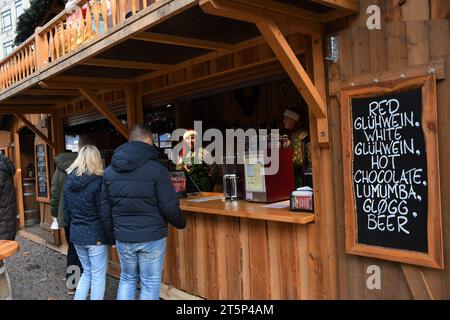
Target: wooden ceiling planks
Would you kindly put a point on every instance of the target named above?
(183, 34)
(194, 23)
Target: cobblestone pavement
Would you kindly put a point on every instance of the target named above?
(36, 273)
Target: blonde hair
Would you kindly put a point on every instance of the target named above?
(89, 161)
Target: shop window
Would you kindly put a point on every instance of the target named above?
(72, 143)
(6, 20)
(165, 140)
(19, 8)
(8, 47)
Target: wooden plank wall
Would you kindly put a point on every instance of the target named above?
(213, 70)
(5, 139)
(408, 38)
(224, 110)
(44, 207)
(219, 257)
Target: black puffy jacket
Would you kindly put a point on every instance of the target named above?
(87, 210)
(8, 205)
(141, 193)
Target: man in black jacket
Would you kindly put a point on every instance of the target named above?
(143, 201)
(8, 209)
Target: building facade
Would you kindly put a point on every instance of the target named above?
(10, 10)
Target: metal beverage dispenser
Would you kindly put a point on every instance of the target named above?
(262, 187)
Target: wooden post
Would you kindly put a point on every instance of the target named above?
(41, 50)
(323, 173)
(135, 112)
(58, 133)
(18, 178)
(103, 108)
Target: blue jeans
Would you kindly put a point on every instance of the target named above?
(144, 262)
(94, 260)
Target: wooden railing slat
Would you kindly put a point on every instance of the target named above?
(90, 32)
(114, 12)
(96, 11)
(123, 10)
(105, 15)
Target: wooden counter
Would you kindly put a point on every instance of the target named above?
(242, 251)
(243, 209)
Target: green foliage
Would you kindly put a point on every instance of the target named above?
(30, 19)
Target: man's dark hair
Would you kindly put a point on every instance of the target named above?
(141, 132)
(84, 140)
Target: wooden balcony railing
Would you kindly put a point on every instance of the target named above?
(72, 28)
(19, 65)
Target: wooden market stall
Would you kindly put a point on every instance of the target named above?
(135, 55)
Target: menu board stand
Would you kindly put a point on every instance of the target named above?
(391, 171)
(42, 173)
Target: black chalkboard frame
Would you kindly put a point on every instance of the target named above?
(38, 198)
(434, 258)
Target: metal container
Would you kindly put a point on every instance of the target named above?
(232, 186)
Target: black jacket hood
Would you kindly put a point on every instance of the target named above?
(79, 183)
(64, 160)
(133, 155)
(7, 165)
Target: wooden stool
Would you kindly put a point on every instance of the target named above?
(7, 249)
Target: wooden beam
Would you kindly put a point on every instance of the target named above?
(103, 108)
(351, 5)
(320, 79)
(183, 41)
(336, 14)
(125, 64)
(284, 9)
(94, 80)
(252, 13)
(293, 67)
(134, 105)
(391, 75)
(46, 102)
(25, 110)
(36, 130)
(50, 92)
(418, 285)
(74, 85)
(58, 132)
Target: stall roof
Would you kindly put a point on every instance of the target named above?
(46, 71)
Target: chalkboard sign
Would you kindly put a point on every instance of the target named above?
(42, 176)
(391, 171)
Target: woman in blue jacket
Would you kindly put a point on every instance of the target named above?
(87, 211)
